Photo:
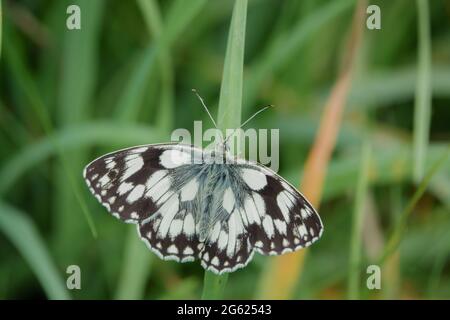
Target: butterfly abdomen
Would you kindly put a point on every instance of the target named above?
(216, 182)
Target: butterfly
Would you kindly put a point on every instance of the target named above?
(189, 203)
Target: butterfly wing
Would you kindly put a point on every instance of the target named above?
(268, 215)
(136, 185)
(287, 221)
(156, 187)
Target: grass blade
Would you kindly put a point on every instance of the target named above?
(136, 268)
(74, 137)
(358, 214)
(213, 286)
(230, 105)
(28, 86)
(279, 279)
(396, 235)
(127, 108)
(288, 43)
(23, 233)
(422, 108)
(230, 101)
(1, 24)
(180, 15)
(152, 16)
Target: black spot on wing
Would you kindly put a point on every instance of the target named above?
(269, 193)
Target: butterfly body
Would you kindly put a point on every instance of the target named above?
(190, 203)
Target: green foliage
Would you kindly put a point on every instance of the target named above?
(125, 78)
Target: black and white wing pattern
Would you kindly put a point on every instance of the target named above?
(266, 215)
(290, 222)
(136, 186)
(187, 209)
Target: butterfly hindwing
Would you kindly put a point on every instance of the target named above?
(280, 218)
(176, 241)
(228, 247)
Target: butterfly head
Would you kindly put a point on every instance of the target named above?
(222, 147)
(221, 151)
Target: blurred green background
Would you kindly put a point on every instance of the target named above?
(125, 78)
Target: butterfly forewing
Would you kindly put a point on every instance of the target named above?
(136, 185)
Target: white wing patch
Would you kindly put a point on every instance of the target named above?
(189, 191)
(268, 226)
(136, 193)
(174, 158)
(133, 163)
(124, 187)
(189, 225)
(228, 200)
(255, 179)
(168, 211)
(285, 201)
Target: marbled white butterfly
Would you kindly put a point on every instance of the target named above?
(190, 203)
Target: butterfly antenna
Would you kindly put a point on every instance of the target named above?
(206, 108)
(248, 120)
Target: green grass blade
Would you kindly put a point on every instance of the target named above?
(133, 94)
(213, 286)
(74, 104)
(74, 138)
(152, 17)
(288, 43)
(379, 89)
(22, 232)
(422, 108)
(358, 215)
(391, 166)
(230, 101)
(1, 24)
(136, 268)
(436, 274)
(28, 86)
(396, 235)
(180, 15)
(230, 105)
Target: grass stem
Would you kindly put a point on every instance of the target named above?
(358, 215)
(230, 105)
(422, 108)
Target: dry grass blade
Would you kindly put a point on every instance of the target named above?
(280, 279)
